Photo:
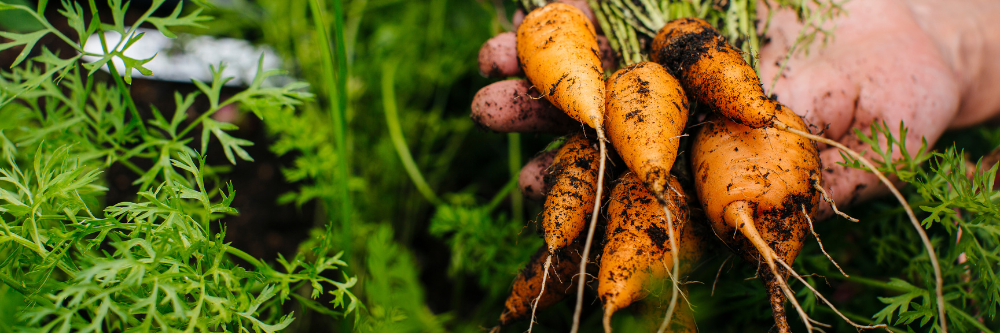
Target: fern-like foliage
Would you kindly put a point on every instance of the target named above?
(961, 212)
(158, 263)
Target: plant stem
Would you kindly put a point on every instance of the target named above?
(246, 257)
(128, 99)
(336, 85)
(396, 133)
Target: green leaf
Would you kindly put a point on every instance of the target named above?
(899, 304)
(229, 143)
(28, 40)
(136, 64)
(163, 24)
(118, 14)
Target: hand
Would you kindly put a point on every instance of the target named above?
(922, 62)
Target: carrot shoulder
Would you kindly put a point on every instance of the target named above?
(713, 71)
(645, 116)
(558, 50)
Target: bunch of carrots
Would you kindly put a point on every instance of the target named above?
(755, 170)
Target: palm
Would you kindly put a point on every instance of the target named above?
(879, 67)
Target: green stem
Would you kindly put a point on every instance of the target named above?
(247, 257)
(18, 286)
(866, 281)
(128, 99)
(396, 133)
(968, 318)
(859, 318)
(336, 83)
(514, 162)
(602, 20)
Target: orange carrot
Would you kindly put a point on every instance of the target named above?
(528, 284)
(645, 116)
(713, 71)
(758, 182)
(572, 183)
(638, 245)
(558, 50)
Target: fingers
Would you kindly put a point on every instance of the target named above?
(878, 68)
(515, 106)
(531, 180)
(498, 56)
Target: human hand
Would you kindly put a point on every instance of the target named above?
(916, 61)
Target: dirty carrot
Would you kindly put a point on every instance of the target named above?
(558, 50)
(639, 245)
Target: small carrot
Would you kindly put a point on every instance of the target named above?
(713, 71)
(528, 284)
(572, 185)
(645, 117)
(638, 245)
(558, 50)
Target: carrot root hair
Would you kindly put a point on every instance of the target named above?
(674, 272)
(939, 281)
(826, 197)
(740, 214)
(820, 296)
(811, 229)
(590, 232)
(534, 305)
(719, 273)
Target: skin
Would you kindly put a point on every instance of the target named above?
(929, 63)
(514, 106)
(531, 180)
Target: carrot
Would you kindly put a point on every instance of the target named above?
(716, 75)
(645, 116)
(558, 50)
(572, 184)
(756, 186)
(638, 245)
(528, 284)
(713, 71)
